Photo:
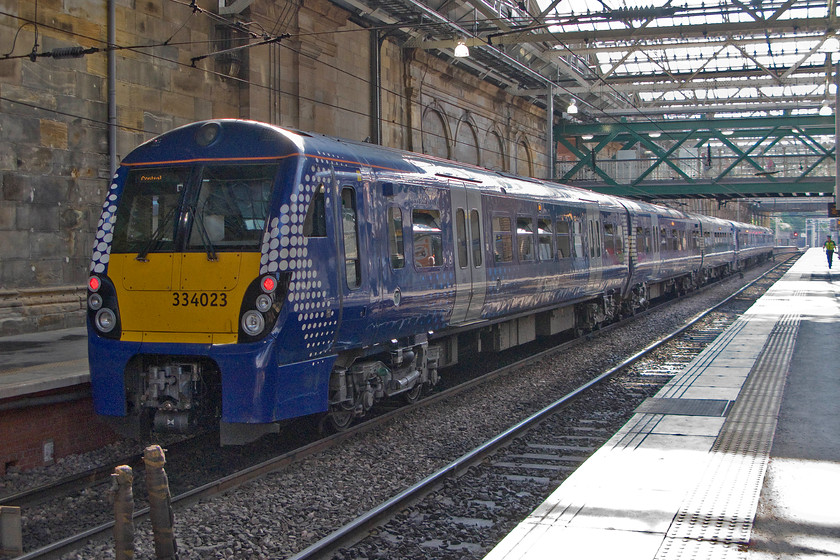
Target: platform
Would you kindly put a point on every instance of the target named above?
(37, 362)
(737, 457)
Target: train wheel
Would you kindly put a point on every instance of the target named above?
(338, 419)
(413, 395)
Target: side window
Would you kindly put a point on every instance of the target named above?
(428, 238)
(663, 239)
(475, 232)
(578, 239)
(315, 224)
(461, 236)
(609, 239)
(545, 234)
(525, 238)
(349, 220)
(564, 242)
(502, 239)
(396, 244)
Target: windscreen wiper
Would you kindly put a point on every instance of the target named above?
(205, 237)
(158, 233)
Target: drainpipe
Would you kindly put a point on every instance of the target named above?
(549, 109)
(112, 88)
(375, 87)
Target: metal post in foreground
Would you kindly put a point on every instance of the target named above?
(160, 507)
(123, 513)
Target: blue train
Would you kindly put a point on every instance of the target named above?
(246, 274)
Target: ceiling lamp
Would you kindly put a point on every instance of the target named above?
(572, 110)
(655, 134)
(461, 50)
(587, 137)
(825, 110)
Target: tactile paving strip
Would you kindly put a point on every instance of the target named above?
(716, 519)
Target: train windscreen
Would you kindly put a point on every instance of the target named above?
(212, 208)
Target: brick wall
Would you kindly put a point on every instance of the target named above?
(71, 427)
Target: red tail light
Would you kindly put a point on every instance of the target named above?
(269, 284)
(94, 283)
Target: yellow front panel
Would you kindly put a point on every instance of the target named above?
(191, 300)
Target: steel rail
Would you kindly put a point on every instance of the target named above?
(356, 529)
(68, 544)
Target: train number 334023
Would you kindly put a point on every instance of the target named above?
(203, 299)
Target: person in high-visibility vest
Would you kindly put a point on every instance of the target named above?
(829, 247)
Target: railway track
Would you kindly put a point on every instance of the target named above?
(183, 496)
(470, 505)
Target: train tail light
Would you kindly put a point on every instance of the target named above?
(261, 306)
(103, 310)
(94, 283)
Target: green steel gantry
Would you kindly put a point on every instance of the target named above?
(701, 158)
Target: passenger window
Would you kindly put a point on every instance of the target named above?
(461, 235)
(475, 231)
(396, 244)
(502, 239)
(578, 240)
(428, 238)
(525, 238)
(609, 239)
(349, 220)
(315, 224)
(564, 242)
(545, 234)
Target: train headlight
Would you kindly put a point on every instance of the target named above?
(95, 302)
(106, 320)
(253, 322)
(264, 302)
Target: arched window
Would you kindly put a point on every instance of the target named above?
(435, 134)
(466, 144)
(522, 162)
(494, 153)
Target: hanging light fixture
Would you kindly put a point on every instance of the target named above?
(572, 110)
(825, 110)
(461, 49)
(655, 134)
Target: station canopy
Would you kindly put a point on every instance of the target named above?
(637, 58)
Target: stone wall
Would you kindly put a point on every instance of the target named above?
(54, 161)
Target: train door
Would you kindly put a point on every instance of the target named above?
(595, 246)
(353, 263)
(656, 244)
(470, 275)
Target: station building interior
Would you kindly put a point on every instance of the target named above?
(725, 108)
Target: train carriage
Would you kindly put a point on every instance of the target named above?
(246, 274)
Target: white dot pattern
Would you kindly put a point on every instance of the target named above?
(284, 249)
(104, 231)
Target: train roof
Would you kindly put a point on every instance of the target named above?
(239, 139)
